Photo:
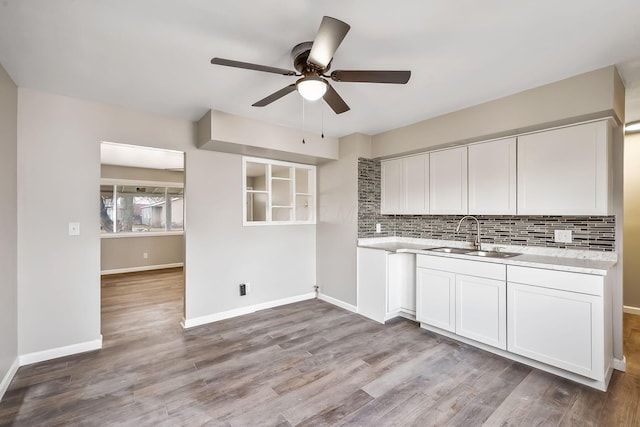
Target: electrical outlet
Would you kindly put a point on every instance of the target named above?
(145, 255)
(243, 289)
(74, 229)
(563, 236)
(378, 228)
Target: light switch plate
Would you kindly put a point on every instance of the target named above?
(74, 229)
(563, 236)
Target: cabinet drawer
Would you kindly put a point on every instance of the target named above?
(462, 266)
(562, 280)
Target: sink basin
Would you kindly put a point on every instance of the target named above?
(450, 250)
(491, 254)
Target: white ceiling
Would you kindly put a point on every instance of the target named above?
(140, 157)
(153, 55)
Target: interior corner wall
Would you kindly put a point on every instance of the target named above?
(8, 229)
(632, 221)
(337, 229)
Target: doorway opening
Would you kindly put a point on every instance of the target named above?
(142, 227)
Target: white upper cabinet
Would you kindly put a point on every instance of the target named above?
(565, 171)
(448, 181)
(492, 178)
(405, 185)
(391, 189)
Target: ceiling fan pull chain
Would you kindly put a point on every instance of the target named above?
(322, 122)
(303, 141)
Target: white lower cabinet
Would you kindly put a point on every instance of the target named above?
(464, 297)
(481, 305)
(386, 284)
(436, 298)
(561, 319)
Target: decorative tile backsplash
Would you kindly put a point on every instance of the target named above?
(589, 232)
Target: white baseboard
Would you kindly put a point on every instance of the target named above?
(141, 268)
(215, 317)
(54, 353)
(631, 310)
(338, 303)
(4, 384)
(620, 365)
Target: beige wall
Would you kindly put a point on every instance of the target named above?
(59, 295)
(127, 253)
(8, 226)
(632, 220)
(337, 230)
(596, 94)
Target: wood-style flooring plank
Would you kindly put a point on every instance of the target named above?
(305, 364)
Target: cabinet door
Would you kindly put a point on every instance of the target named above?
(391, 197)
(481, 310)
(416, 184)
(448, 181)
(492, 178)
(564, 171)
(560, 328)
(372, 283)
(436, 298)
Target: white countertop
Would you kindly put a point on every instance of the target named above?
(598, 263)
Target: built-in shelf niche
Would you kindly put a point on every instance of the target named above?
(277, 192)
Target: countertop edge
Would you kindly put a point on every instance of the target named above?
(576, 265)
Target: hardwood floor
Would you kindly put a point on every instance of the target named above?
(306, 364)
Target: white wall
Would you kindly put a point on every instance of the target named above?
(8, 233)
(337, 232)
(58, 275)
(278, 261)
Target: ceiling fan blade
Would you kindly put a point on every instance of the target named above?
(330, 34)
(334, 100)
(250, 66)
(398, 77)
(275, 95)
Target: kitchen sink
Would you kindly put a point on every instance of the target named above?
(464, 251)
(491, 254)
(450, 250)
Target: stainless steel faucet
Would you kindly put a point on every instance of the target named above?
(476, 244)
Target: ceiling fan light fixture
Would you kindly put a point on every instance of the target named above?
(311, 88)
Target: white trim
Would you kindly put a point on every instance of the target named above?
(54, 353)
(4, 384)
(338, 303)
(141, 234)
(215, 317)
(140, 183)
(620, 364)
(141, 268)
(630, 309)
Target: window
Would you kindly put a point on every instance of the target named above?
(278, 192)
(141, 207)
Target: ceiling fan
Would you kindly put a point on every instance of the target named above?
(312, 60)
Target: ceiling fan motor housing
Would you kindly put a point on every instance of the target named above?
(300, 54)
